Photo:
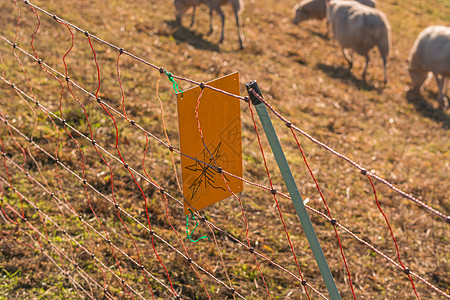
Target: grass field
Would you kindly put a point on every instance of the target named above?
(302, 73)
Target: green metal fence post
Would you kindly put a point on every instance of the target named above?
(293, 190)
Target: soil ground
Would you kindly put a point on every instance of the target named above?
(399, 135)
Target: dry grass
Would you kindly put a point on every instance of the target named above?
(303, 75)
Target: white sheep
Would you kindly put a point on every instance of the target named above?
(181, 6)
(431, 53)
(316, 10)
(359, 28)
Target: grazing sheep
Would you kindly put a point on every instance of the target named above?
(359, 28)
(370, 3)
(431, 53)
(181, 6)
(309, 10)
(316, 10)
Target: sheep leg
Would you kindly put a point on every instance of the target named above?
(193, 17)
(441, 98)
(238, 24)
(445, 85)
(347, 57)
(328, 28)
(210, 21)
(385, 70)
(444, 91)
(222, 17)
(365, 67)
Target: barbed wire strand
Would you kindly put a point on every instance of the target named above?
(33, 95)
(64, 123)
(92, 228)
(57, 148)
(56, 249)
(23, 155)
(329, 213)
(160, 141)
(174, 168)
(27, 78)
(274, 194)
(60, 252)
(317, 212)
(43, 107)
(132, 122)
(225, 180)
(405, 269)
(359, 167)
(4, 215)
(81, 134)
(134, 179)
(364, 172)
(122, 210)
(384, 181)
(75, 284)
(161, 190)
(105, 238)
(91, 137)
(34, 188)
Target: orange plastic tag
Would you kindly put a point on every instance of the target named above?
(220, 120)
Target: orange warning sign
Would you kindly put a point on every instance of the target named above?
(220, 120)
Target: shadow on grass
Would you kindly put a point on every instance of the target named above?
(427, 110)
(346, 76)
(319, 34)
(183, 34)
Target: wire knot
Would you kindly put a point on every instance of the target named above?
(189, 235)
(175, 86)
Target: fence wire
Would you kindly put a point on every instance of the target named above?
(129, 259)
